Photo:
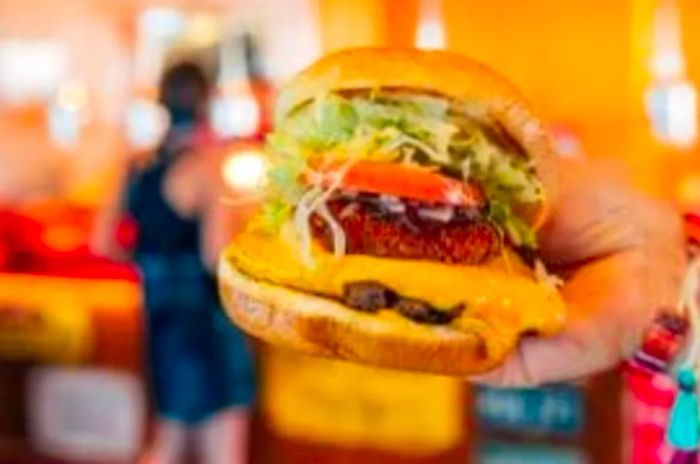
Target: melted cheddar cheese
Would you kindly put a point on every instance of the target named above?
(502, 292)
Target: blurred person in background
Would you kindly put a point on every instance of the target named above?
(200, 369)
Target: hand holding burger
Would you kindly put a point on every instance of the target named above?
(623, 258)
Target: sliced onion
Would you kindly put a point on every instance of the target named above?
(389, 198)
(302, 226)
(396, 208)
(444, 214)
(339, 240)
(314, 201)
(392, 204)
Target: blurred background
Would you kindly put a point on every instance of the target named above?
(80, 104)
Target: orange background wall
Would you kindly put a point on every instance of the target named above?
(574, 59)
(351, 23)
(582, 63)
(585, 64)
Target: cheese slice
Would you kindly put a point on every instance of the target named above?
(502, 292)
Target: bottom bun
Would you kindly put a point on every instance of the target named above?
(322, 326)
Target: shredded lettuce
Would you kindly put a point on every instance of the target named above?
(518, 231)
(275, 213)
(398, 127)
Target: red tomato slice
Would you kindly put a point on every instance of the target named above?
(405, 181)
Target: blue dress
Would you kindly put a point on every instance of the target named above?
(199, 362)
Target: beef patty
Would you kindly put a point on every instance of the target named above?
(407, 231)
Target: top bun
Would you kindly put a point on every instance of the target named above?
(451, 75)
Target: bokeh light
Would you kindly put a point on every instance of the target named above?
(245, 170)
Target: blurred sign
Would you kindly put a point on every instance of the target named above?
(86, 414)
(50, 318)
(557, 410)
(47, 332)
(512, 453)
(344, 404)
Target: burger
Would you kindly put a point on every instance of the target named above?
(399, 225)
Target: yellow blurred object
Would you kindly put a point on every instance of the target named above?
(203, 30)
(49, 319)
(90, 193)
(353, 23)
(349, 23)
(688, 192)
(350, 405)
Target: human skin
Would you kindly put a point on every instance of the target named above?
(622, 258)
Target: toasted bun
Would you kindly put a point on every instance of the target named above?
(449, 74)
(268, 292)
(320, 326)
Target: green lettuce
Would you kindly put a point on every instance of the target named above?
(404, 128)
(517, 230)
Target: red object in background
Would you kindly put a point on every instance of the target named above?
(47, 230)
(4, 252)
(127, 233)
(45, 248)
(649, 400)
(692, 227)
(52, 239)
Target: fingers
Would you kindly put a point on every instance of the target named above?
(539, 361)
(625, 258)
(597, 217)
(591, 222)
(609, 302)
